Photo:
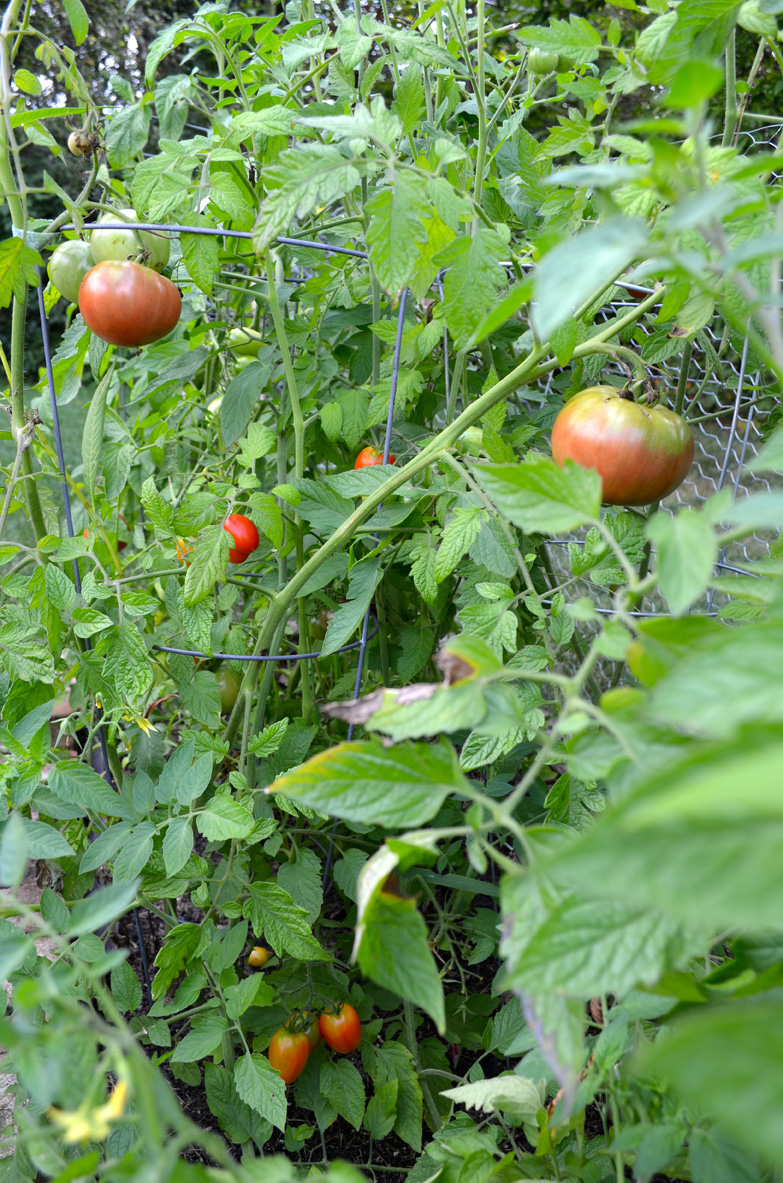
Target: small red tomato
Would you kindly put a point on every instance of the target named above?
(343, 1030)
(258, 957)
(368, 457)
(244, 534)
(288, 1053)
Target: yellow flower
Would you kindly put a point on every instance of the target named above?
(90, 1125)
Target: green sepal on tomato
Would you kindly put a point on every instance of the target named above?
(641, 453)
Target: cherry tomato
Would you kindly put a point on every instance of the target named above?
(68, 266)
(244, 534)
(288, 1053)
(182, 550)
(129, 244)
(126, 304)
(259, 957)
(641, 453)
(369, 457)
(342, 1031)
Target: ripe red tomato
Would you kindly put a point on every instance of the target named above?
(288, 1053)
(126, 304)
(244, 534)
(258, 957)
(369, 457)
(641, 453)
(342, 1031)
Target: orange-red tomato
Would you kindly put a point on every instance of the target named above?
(288, 1053)
(245, 537)
(258, 957)
(342, 1031)
(126, 304)
(182, 550)
(369, 457)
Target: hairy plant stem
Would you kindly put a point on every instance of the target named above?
(481, 151)
(731, 114)
(18, 422)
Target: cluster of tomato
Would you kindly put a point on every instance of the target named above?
(340, 1027)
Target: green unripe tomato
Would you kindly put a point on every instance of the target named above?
(245, 342)
(68, 266)
(542, 61)
(228, 689)
(129, 244)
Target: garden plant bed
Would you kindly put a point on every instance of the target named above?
(386, 797)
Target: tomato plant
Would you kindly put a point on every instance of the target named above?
(641, 453)
(117, 245)
(68, 266)
(258, 957)
(341, 1029)
(126, 304)
(245, 536)
(288, 1053)
(483, 736)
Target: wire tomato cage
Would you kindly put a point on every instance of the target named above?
(720, 453)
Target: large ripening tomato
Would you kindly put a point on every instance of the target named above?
(342, 1031)
(126, 304)
(641, 453)
(369, 457)
(68, 266)
(245, 537)
(129, 244)
(288, 1052)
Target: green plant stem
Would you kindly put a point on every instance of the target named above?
(413, 1048)
(18, 422)
(249, 761)
(481, 151)
(23, 439)
(731, 114)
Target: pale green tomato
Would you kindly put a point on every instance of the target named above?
(245, 342)
(68, 266)
(129, 244)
